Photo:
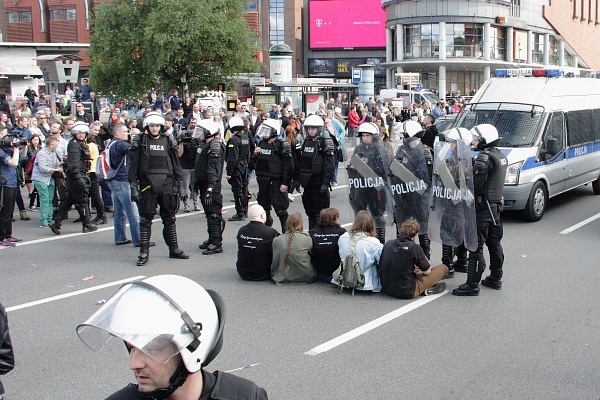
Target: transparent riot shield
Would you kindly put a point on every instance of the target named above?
(368, 187)
(410, 183)
(452, 210)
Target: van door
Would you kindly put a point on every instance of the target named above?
(582, 165)
(553, 154)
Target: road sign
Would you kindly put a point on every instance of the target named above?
(356, 75)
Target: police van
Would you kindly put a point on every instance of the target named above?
(404, 98)
(550, 129)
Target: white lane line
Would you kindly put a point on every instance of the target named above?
(361, 330)
(71, 294)
(579, 225)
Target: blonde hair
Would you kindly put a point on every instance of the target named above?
(293, 225)
(364, 222)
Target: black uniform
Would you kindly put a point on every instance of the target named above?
(239, 151)
(274, 167)
(316, 169)
(156, 171)
(489, 171)
(208, 172)
(78, 184)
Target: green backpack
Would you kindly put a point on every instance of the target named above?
(349, 274)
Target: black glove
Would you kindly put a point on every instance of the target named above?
(135, 194)
(208, 197)
(324, 188)
(182, 192)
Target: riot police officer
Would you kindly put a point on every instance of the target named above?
(155, 178)
(316, 168)
(239, 150)
(367, 177)
(489, 171)
(274, 169)
(208, 172)
(78, 183)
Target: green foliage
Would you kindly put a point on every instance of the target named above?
(139, 44)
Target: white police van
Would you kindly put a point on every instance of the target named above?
(550, 129)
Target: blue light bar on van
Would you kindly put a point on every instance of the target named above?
(510, 72)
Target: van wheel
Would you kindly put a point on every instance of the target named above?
(537, 203)
(596, 186)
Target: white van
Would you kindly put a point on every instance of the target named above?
(404, 98)
(550, 129)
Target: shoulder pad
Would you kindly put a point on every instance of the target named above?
(285, 146)
(215, 148)
(329, 146)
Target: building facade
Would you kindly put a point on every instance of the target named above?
(456, 44)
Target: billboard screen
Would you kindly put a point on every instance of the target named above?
(342, 24)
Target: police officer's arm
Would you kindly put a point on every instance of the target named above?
(287, 162)
(134, 159)
(214, 168)
(177, 171)
(480, 171)
(74, 159)
(232, 155)
(328, 160)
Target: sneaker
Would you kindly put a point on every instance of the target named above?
(291, 197)
(196, 207)
(334, 184)
(186, 208)
(6, 243)
(13, 239)
(24, 216)
(32, 208)
(435, 289)
(43, 225)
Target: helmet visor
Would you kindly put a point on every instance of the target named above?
(141, 317)
(264, 131)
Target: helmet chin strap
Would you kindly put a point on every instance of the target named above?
(178, 379)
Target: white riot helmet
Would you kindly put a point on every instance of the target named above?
(236, 124)
(370, 128)
(161, 316)
(314, 121)
(455, 134)
(487, 135)
(268, 129)
(154, 118)
(410, 129)
(80, 126)
(206, 128)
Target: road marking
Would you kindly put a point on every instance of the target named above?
(361, 330)
(71, 294)
(579, 225)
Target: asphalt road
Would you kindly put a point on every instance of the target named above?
(537, 338)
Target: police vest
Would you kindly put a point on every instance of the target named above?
(311, 158)
(269, 162)
(243, 143)
(155, 156)
(494, 185)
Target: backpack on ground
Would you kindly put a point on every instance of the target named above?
(103, 169)
(349, 274)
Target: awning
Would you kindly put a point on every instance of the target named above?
(24, 70)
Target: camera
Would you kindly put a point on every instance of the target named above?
(7, 142)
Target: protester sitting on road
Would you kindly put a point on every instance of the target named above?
(255, 246)
(404, 269)
(292, 254)
(325, 236)
(362, 237)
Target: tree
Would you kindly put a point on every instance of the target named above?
(138, 44)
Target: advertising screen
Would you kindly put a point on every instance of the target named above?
(337, 24)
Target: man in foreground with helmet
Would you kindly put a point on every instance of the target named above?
(239, 151)
(78, 183)
(489, 171)
(208, 172)
(156, 180)
(274, 169)
(172, 328)
(317, 163)
(410, 182)
(367, 177)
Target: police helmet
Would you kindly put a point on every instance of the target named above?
(455, 134)
(314, 121)
(154, 118)
(236, 124)
(487, 135)
(161, 316)
(370, 128)
(206, 128)
(269, 129)
(79, 127)
(412, 129)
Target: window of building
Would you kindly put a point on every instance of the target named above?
(464, 40)
(394, 45)
(253, 6)
(19, 16)
(554, 58)
(498, 41)
(421, 41)
(68, 14)
(537, 53)
(276, 22)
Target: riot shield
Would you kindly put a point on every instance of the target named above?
(368, 187)
(410, 183)
(452, 211)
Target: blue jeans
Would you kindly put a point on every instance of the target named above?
(124, 208)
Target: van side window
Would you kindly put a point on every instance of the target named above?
(554, 134)
(596, 123)
(579, 127)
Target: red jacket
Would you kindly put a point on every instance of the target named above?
(353, 119)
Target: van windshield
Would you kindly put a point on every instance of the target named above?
(518, 124)
(431, 98)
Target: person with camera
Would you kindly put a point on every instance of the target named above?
(188, 146)
(78, 183)
(239, 151)
(9, 160)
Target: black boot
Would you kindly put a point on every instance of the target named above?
(170, 236)
(493, 282)
(312, 222)
(216, 239)
(269, 220)
(145, 232)
(283, 221)
(460, 265)
(447, 256)
(425, 245)
(100, 218)
(380, 234)
(236, 217)
(205, 244)
(55, 227)
(84, 214)
(474, 271)
(239, 208)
